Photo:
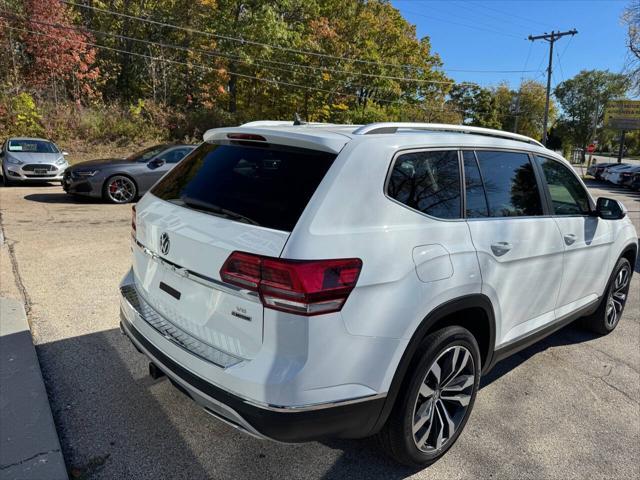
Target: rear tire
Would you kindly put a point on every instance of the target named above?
(435, 400)
(606, 318)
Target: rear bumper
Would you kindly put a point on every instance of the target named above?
(352, 418)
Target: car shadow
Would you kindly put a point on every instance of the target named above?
(61, 197)
(114, 421)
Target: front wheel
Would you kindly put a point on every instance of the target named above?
(119, 189)
(436, 398)
(606, 318)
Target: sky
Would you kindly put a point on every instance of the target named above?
(492, 35)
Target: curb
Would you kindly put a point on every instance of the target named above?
(29, 445)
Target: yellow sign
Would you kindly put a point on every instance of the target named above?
(623, 114)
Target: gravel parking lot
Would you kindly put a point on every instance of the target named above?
(567, 407)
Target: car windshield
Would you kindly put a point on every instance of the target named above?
(32, 146)
(147, 154)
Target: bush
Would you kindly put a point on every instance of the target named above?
(20, 116)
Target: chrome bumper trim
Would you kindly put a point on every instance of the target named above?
(127, 287)
(173, 333)
(198, 277)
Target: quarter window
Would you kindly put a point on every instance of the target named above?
(568, 196)
(428, 182)
(510, 184)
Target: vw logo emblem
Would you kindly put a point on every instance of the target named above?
(165, 243)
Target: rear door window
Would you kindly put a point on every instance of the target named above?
(428, 182)
(476, 198)
(510, 184)
(266, 185)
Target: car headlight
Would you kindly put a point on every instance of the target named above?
(14, 161)
(85, 173)
(61, 161)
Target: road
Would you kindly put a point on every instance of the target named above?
(564, 408)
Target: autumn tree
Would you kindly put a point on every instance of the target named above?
(59, 56)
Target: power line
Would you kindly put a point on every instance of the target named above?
(236, 58)
(239, 40)
(225, 71)
(453, 22)
(253, 42)
(551, 38)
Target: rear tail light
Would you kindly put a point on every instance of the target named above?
(133, 221)
(305, 287)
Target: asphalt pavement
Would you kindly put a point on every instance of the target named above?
(567, 407)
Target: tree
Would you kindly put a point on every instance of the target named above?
(59, 56)
(476, 104)
(522, 111)
(631, 18)
(583, 99)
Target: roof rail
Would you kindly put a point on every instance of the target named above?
(393, 127)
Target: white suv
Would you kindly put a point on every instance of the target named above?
(303, 281)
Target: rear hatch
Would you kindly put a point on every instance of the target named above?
(225, 196)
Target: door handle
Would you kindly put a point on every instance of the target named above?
(500, 248)
(569, 238)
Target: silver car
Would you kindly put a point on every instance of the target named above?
(27, 159)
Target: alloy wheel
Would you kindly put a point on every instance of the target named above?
(443, 399)
(121, 189)
(617, 297)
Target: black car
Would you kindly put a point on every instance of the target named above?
(635, 182)
(123, 180)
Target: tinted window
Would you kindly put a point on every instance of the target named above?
(146, 154)
(32, 146)
(568, 196)
(265, 185)
(428, 182)
(477, 205)
(175, 155)
(510, 183)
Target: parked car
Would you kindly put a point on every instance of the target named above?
(615, 174)
(608, 171)
(300, 282)
(635, 182)
(599, 169)
(123, 180)
(31, 159)
(625, 177)
(595, 165)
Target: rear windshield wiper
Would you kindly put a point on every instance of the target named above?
(216, 210)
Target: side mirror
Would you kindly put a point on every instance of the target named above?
(65, 153)
(610, 209)
(158, 162)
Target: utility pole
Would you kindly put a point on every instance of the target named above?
(551, 38)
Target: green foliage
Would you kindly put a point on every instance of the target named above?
(23, 117)
(583, 99)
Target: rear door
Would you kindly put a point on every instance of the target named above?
(586, 238)
(519, 247)
(225, 197)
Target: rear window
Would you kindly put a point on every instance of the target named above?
(267, 185)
